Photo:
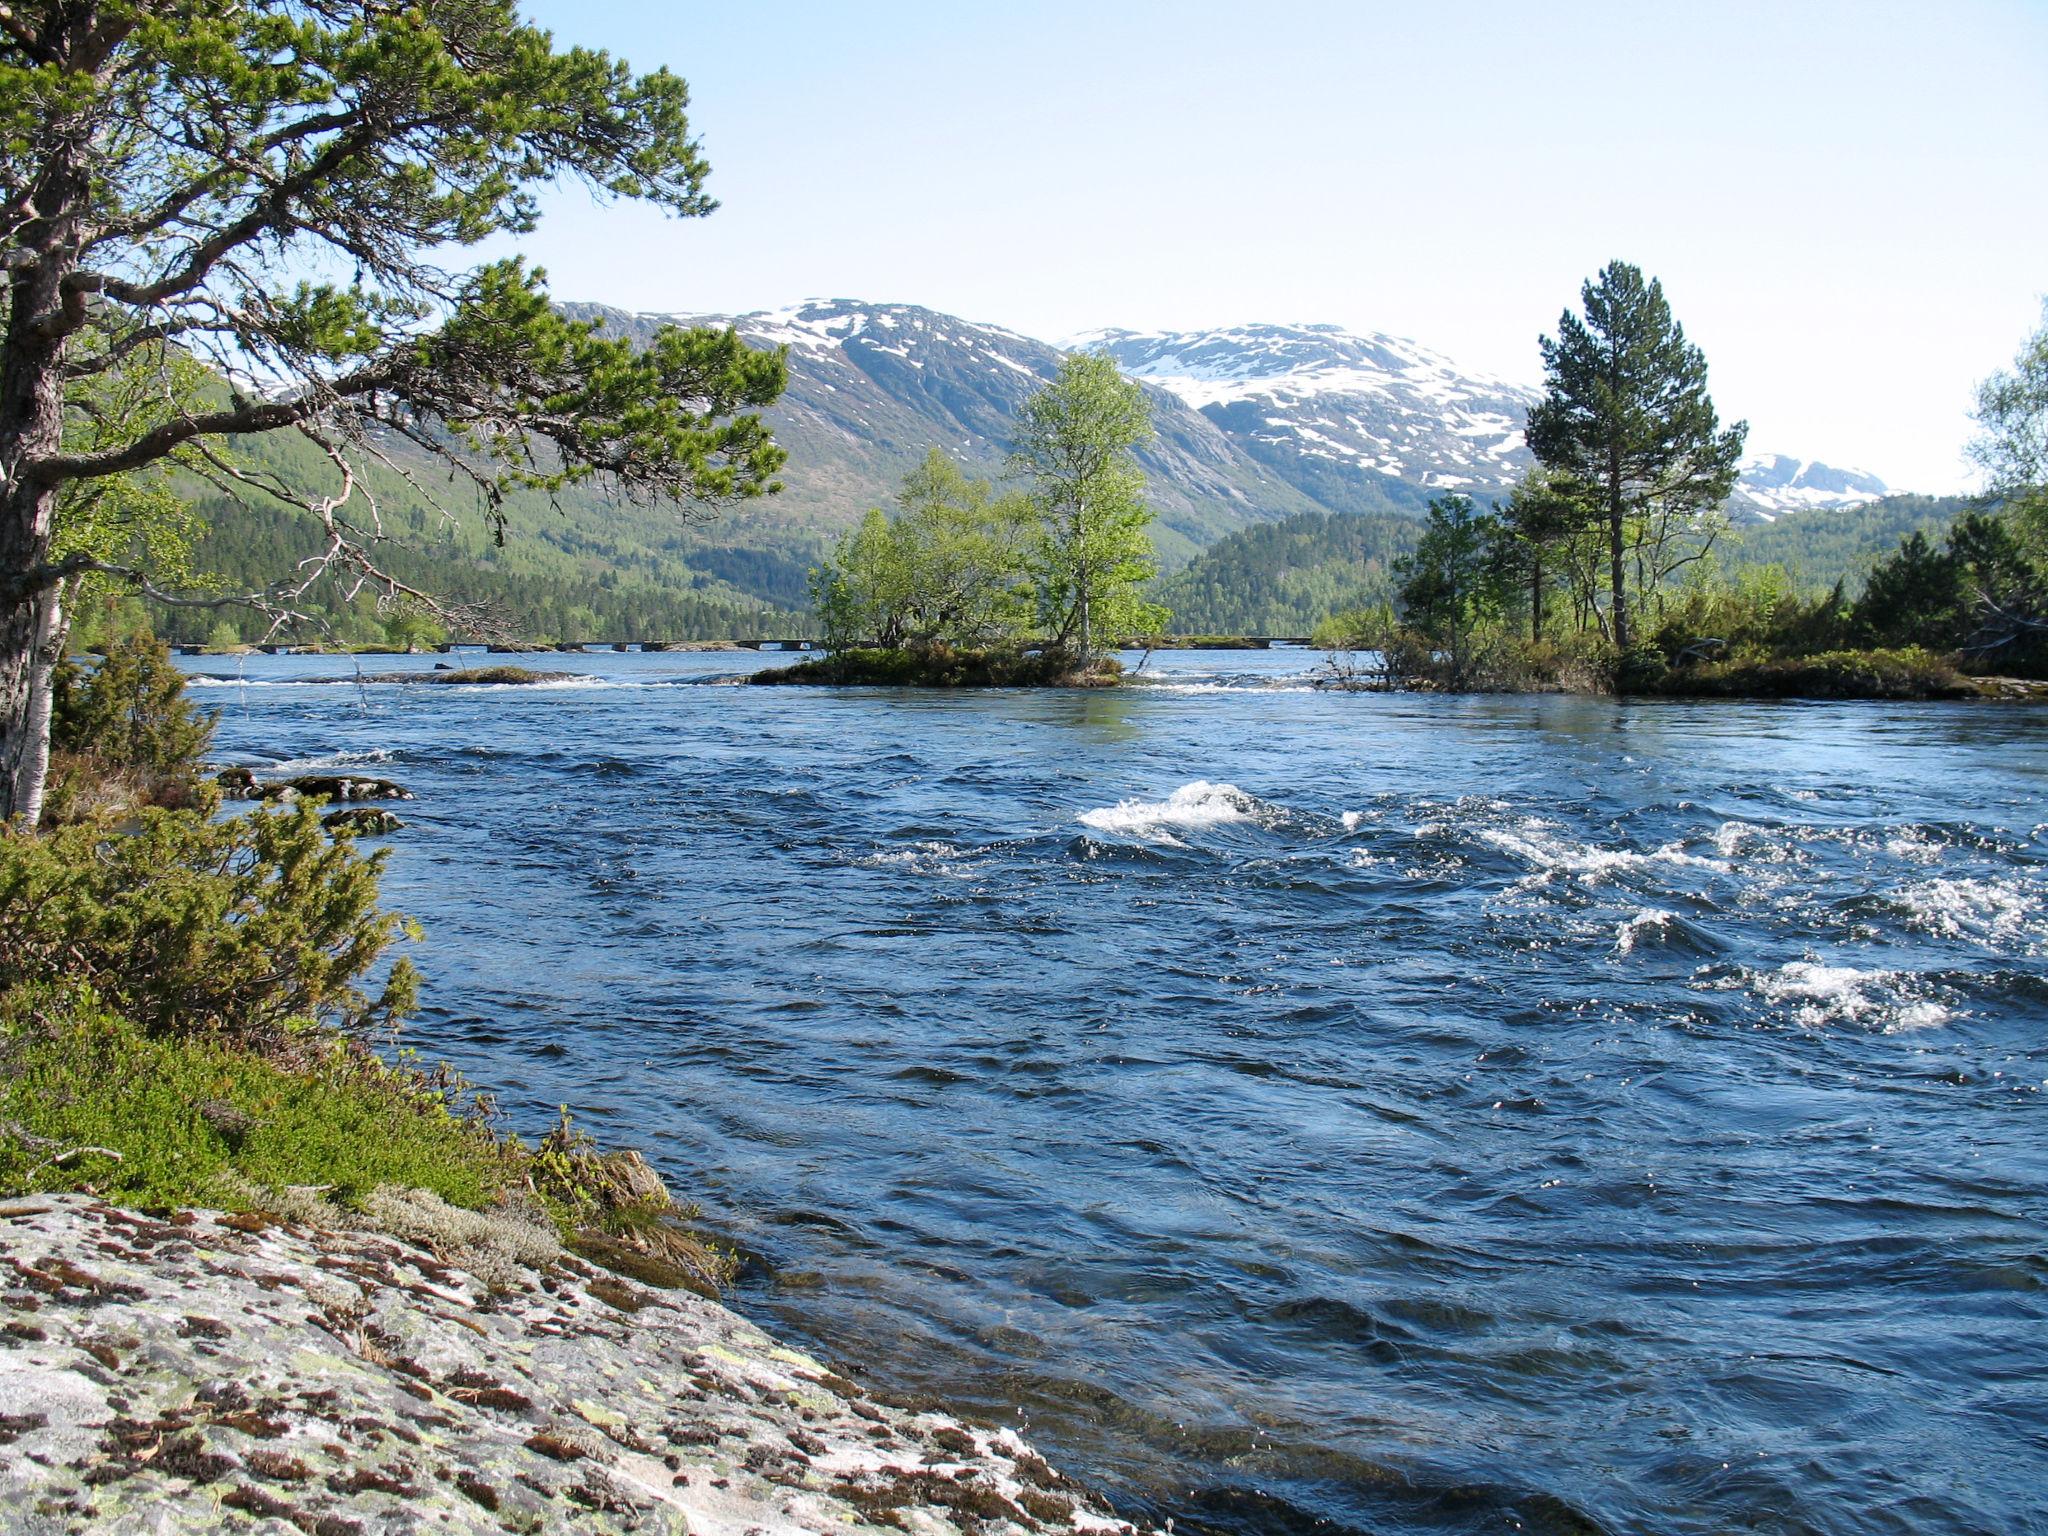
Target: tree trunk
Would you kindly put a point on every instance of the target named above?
(1536, 597)
(31, 638)
(31, 427)
(1617, 580)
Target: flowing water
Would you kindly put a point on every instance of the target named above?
(1299, 1111)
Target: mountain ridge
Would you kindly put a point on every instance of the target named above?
(1255, 422)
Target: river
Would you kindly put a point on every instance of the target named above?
(1298, 1111)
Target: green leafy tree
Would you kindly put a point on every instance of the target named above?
(1627, 428)
(2012, 443)
(1077, 442)
(863, 593)
(949, 568)
(273, 188)
(1538, 527)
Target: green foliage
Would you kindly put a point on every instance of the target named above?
(1820, 549)
(948, 569)
(1915, 596)
(940, 666)
(243, 929)
(410, 629)
(1357, 629)
(1754, 609)
(1453, 581)
(2012, 443)
(139, 519)
(130, 711)
(1628, 433)
(195, 1121)
(1076, 444)
(1979, 591)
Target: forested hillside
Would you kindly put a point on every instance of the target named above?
(586, 569)
(1279, 578)
(1819, 548)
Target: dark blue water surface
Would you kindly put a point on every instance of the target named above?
(1300, 1111)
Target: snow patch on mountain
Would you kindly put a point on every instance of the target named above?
(1379, 404)
(1774, 484)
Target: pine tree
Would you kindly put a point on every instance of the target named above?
(1626, 424)
(276, 188)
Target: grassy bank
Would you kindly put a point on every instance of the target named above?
(941, 666)
(199, 1010)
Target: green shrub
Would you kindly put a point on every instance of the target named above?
(940, 666)
(241, 928)
(1640, 669)
(196, 1121)
(1909, 673)
(130, 711)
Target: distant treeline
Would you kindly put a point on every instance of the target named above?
(1285, 578)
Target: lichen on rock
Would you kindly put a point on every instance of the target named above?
(188, 1371)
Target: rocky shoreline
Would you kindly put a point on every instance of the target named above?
(185, 1371)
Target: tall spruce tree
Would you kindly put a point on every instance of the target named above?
(1626, 425)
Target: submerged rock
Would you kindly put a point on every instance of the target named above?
(363, 821)
(334, 786)
(166, 1374)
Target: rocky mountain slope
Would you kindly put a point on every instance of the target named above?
(873, 386)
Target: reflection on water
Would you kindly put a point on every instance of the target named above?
(1304, 1110)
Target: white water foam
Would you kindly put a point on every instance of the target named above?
(331, 761)
(1554, 855)
(931, 858)
(1192, 806)
(1841, 994)
(1992, 913)
(1649, 920)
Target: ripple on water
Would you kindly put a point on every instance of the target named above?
(1307, 1111)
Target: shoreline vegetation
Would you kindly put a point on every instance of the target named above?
(940, 666)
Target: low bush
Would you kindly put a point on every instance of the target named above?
(130, 711)
(1909, 673)
(940, 666)
(245, 928)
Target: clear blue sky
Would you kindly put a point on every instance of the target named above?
(1847, 202)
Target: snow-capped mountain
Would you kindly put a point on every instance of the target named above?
(1773, 484)
(1376, 405)
(1311, 399)
(873, 386)
(1255, 423)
